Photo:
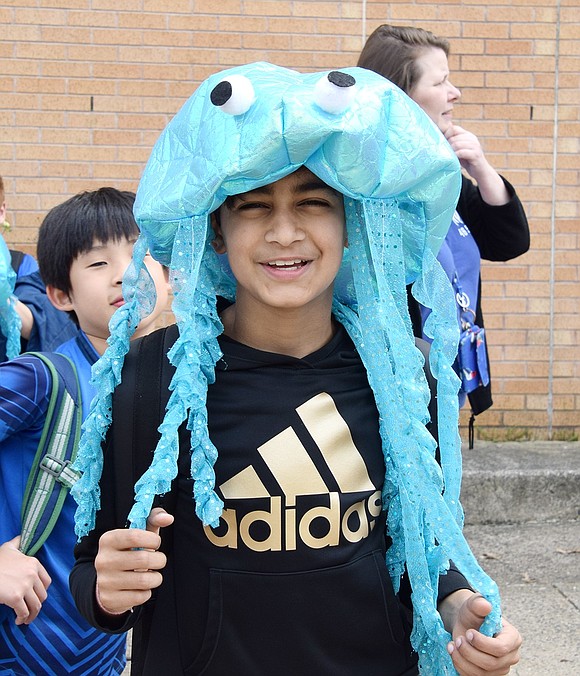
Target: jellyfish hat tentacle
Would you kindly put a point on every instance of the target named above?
(139, 294)
(10, 322)
(196, 351)
(380, 327)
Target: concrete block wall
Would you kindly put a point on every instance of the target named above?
(87, 85)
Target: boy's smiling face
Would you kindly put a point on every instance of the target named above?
(95, 281)
(284, 242)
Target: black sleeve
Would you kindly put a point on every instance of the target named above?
(138, 407)
(453, 579)
(83, 577)
(82, 583)
(450, 582)
(501, 232)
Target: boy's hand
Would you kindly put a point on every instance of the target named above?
(127, 564)
(23, 582)
(473, 653)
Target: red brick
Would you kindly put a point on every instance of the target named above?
(141, 60)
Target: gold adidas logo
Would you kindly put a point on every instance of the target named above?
(297, 475)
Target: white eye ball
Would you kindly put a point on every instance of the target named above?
(234, 95)
(335, 92)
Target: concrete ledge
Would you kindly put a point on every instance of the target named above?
(521, 482)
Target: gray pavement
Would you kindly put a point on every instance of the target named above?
(521, 503)
(517, 482)
(522, 508)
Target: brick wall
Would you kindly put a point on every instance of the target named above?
(86, 87)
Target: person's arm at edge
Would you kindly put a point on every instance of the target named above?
(26, 319)
(23, 582)
(28, 265)
(46, 326)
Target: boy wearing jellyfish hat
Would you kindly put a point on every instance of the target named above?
(298, 522)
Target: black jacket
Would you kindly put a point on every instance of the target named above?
(501, 233)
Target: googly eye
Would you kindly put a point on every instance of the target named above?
(335, 92)
(234, 95)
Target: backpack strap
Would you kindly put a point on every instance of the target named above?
(51, 475)
(16, 258)
(138, 409)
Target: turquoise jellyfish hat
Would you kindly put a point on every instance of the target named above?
(9, 319)
(250, 126)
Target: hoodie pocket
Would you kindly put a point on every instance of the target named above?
(342, 620)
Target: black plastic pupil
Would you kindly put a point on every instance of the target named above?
(221, 93)
(341, 79)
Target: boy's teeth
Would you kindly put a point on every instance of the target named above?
(286, 264)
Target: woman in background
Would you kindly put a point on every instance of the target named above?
(489, 221)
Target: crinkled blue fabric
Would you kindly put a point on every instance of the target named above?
(10, 323)
(401, 182)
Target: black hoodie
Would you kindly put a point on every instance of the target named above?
(293, 580)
